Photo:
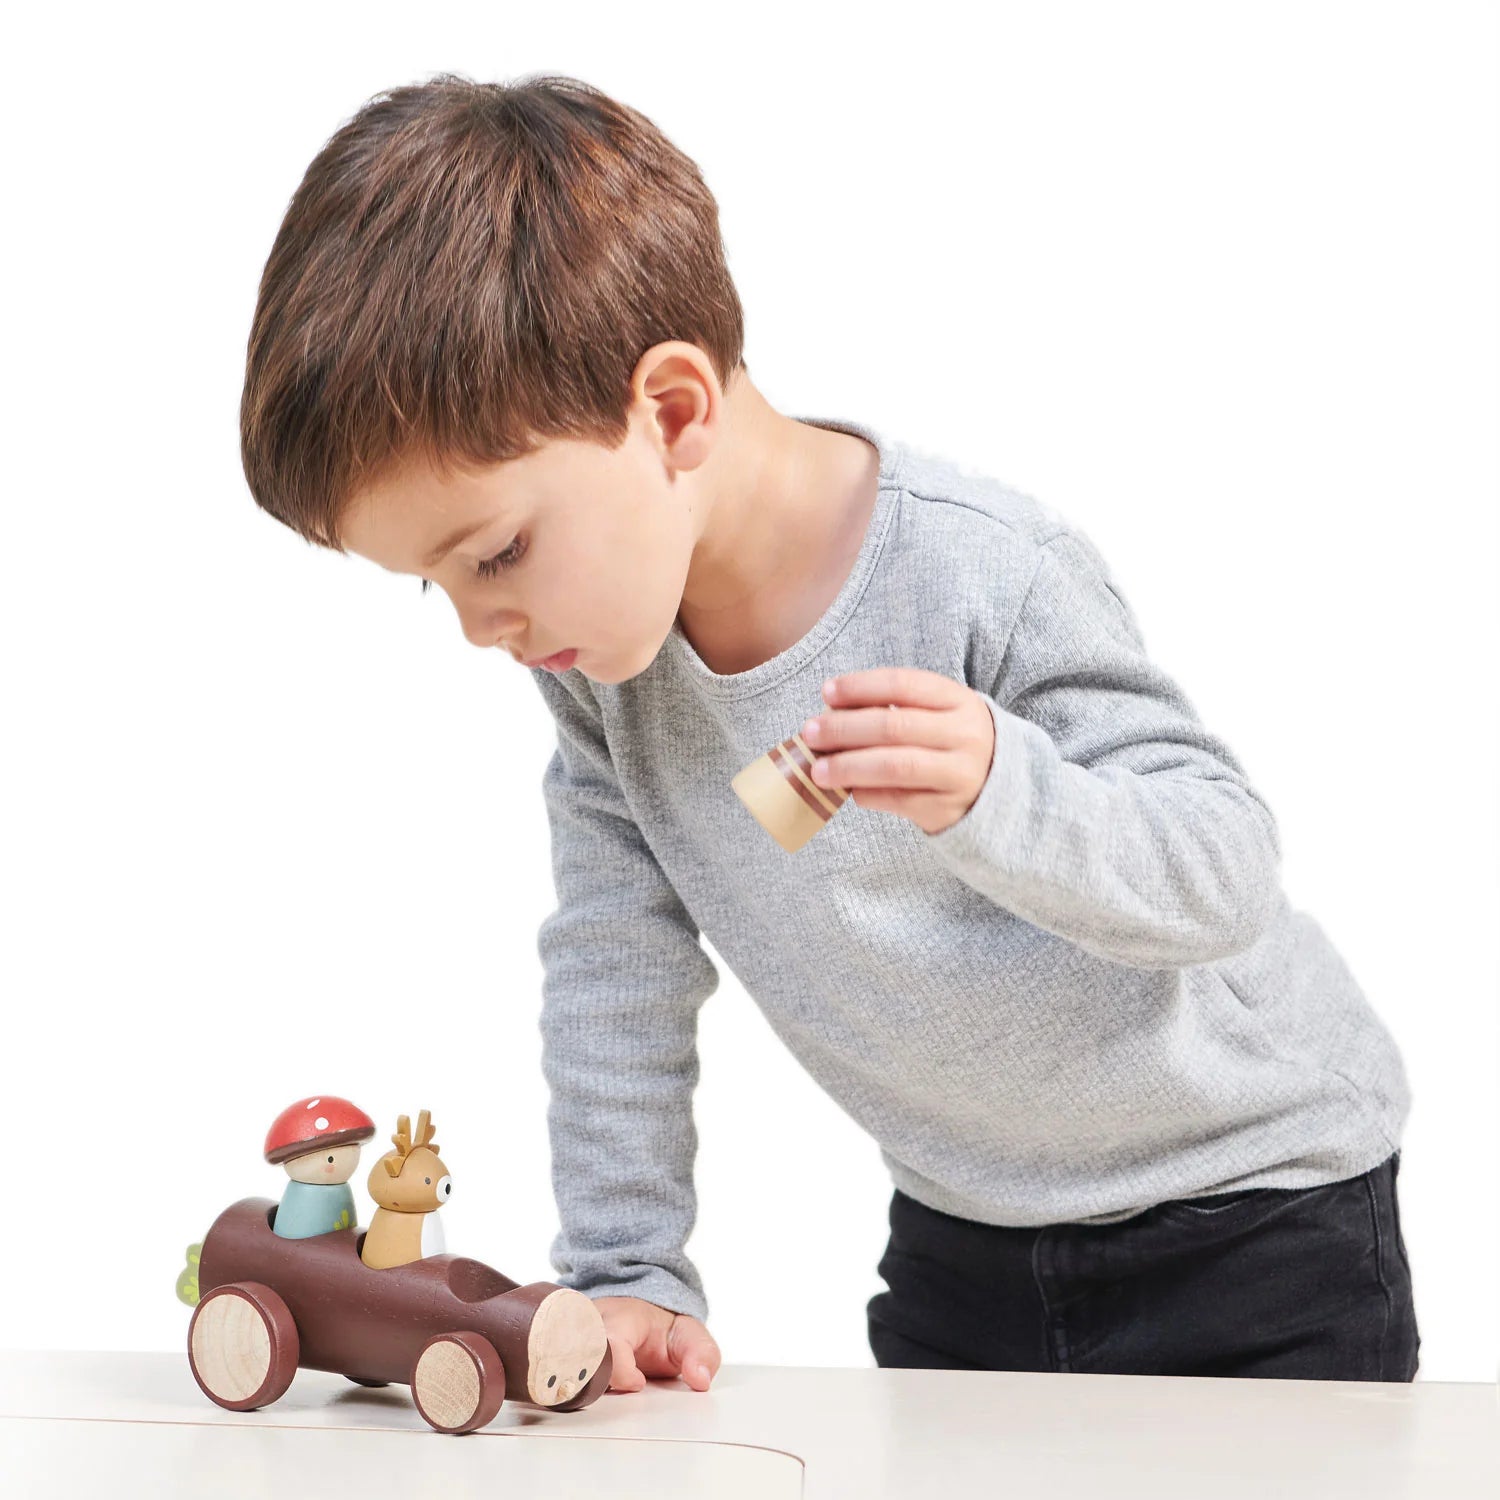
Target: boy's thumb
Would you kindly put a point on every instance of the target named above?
(695, 1353)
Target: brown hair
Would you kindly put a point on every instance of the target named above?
(465, 271)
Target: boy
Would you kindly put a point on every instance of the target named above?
(1138, 1115)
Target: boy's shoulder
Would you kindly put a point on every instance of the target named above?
(980, 533)
(964, 500)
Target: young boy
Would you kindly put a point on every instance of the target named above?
(1138, 1115)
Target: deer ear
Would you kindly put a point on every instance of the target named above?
(392, 1164)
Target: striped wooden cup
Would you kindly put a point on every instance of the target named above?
(779, 790)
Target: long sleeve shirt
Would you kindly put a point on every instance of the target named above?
(1087, 995)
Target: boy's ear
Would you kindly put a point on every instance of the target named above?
(677, 382)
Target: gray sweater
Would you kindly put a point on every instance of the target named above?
(1087, 995)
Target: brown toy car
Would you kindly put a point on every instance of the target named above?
(460, 1334)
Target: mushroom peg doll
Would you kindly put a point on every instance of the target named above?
(317, 1140)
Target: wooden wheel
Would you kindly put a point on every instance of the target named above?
(242, 1345)
(458, 1382)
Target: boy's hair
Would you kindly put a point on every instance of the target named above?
(466, 271)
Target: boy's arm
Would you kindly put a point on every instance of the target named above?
(1110, 816)
(623, 978)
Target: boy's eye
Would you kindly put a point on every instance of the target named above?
(507, 559)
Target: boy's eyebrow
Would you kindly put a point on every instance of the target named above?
(444, 547)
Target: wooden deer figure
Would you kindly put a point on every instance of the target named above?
(409, 1184)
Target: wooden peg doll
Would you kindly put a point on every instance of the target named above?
(317, 1140)
(409, 1184)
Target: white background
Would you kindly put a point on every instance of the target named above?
(1217, 283)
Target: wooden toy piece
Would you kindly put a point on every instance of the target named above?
(317, 1141)
(779, 790)
(187, 1278)
(242, 1345)
(461, 1335)
(459, 1382)
(410, 1184)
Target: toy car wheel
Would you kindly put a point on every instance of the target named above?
(458, 1382)
(242, 1345)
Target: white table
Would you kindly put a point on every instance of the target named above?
(126, 1425)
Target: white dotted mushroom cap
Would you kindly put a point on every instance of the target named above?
(298, 1128)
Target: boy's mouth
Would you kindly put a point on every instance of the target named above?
(559, 661)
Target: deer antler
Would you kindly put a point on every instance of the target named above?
(405, 1145)
(402, 1138)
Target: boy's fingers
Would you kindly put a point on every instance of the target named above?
(625, 1375)
(648, 1342)
(893, 685)
(693, 1350)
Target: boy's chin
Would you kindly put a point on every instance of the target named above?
(611, 670)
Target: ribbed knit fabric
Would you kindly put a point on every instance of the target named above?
(1087, 995)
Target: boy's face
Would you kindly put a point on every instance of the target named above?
(599, 541)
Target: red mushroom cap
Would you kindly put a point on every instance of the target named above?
(311, 1124)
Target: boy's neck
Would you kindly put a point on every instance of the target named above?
(788, 507)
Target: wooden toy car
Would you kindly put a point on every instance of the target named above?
(460, 1334)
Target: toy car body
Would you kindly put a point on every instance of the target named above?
(463, 1336)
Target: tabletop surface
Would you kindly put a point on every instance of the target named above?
(101, 1423)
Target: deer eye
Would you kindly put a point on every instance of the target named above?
(428, 1181)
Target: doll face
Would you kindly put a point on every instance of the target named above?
(422, 1185)
(333, 1164)
(565, 1346)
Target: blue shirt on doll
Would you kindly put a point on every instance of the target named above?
(309, 1208)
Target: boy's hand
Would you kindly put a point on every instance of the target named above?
(904, 740)
(647, 1340)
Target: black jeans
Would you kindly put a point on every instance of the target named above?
(1279, 1283)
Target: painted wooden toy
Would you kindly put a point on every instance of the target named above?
(187, 1277)
(460, 1334)
(779, 790)
(409, 1184)
(317, 1141)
